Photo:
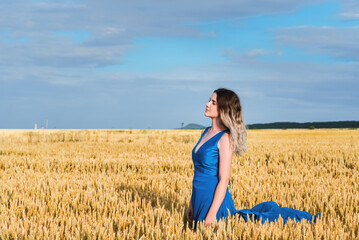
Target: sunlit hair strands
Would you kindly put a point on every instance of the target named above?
(230, 113)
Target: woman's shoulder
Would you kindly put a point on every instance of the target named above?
(225, 136)
(225, 140)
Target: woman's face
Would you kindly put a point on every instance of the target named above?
(211, 107)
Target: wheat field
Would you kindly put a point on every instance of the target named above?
(136, 184)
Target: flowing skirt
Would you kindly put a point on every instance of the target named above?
(204, 187)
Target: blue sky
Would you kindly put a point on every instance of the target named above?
(154, 64)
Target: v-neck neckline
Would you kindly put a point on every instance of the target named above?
(195, 152)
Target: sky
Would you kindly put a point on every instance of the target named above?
(153, 64)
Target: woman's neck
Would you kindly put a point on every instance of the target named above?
(217, 125)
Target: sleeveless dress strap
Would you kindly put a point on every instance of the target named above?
(219, 135)
(206, 129)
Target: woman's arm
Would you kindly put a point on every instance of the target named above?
(225, 162)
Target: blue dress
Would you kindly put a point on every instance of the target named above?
(205, 180)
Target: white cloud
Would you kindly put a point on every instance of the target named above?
(340, 43)
(350, 9)
(350, 15)
(262, 52)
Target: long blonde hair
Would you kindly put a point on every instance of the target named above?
(230, 113)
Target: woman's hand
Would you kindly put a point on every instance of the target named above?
(189, 213)
(210, 220)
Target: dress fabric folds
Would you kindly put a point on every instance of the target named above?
(205, 180)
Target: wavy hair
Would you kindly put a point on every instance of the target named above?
(230, 113)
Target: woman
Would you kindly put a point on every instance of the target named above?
(212, 158)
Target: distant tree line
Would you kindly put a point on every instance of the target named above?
(310, 125)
